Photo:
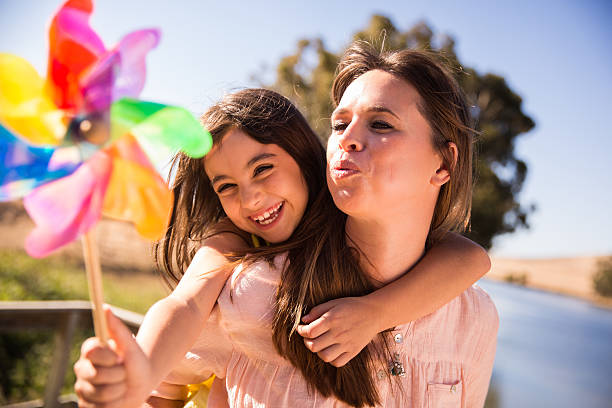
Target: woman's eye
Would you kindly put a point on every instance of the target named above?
(261, 169)
(379, 124)
(338, 126)
(224, 187)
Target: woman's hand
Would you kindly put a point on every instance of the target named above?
(113, 375)
(339, 329)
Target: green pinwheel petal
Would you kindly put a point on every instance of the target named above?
(161, 130)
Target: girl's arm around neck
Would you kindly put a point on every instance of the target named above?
(446, 271)
(339, 329)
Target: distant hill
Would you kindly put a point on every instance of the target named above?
(569, 276)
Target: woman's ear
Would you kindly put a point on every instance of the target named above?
(449, 157)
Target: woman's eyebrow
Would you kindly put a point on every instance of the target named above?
(380, 108)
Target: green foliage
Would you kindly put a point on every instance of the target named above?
(25, 357)
(306, 77)
(602, 280)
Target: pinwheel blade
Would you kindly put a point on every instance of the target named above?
(25, 167)
(68, 207)
(161, 130)
(24, 104)
(119, 73)
(73, 47)
(135, 192)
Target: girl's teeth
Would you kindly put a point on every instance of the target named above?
(269, 216)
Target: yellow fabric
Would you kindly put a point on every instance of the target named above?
(198, 394)
(257, 242)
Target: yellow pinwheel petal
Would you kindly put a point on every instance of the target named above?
(25, 107)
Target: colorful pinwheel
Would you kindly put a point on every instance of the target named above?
(77, 145)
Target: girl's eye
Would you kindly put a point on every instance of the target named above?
(338, 126)
(261, 169)
(224, 187)
(379, 124)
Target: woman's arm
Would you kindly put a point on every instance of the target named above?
(339, 329)
(169, 329)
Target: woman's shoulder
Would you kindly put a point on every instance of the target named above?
(478, 303)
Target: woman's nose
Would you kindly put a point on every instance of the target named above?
(351, 139)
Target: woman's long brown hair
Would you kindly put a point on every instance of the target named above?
(321, 266)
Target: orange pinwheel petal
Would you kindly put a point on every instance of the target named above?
(135, 192)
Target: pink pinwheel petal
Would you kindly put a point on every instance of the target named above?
(133, 48)
(73, 47)
(119, 73)
(68, 207)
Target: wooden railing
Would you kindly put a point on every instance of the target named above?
(64, 317)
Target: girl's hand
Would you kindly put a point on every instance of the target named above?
(339, 329)
(112, 375)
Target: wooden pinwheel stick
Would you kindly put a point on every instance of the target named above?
(94, 279)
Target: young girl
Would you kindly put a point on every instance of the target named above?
(264, 179)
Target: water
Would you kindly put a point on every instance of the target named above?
(552, 351)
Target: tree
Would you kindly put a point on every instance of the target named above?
(306, 77)
(602, 280)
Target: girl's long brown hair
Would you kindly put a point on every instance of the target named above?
(321, 266)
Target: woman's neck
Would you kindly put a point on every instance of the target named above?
(388, 248)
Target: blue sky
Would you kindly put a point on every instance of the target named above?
(556, 54)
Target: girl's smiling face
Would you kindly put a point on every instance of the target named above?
(260, 186)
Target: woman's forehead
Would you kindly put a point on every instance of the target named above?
(378, 91)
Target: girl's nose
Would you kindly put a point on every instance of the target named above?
(250, 197)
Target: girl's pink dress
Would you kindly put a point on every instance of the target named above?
(443, 360)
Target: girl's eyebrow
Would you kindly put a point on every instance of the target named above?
(251, 162)
(259, 157)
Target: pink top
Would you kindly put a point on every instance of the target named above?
(447, 356)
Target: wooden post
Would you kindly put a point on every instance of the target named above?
(94, 279)
(61, 355)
